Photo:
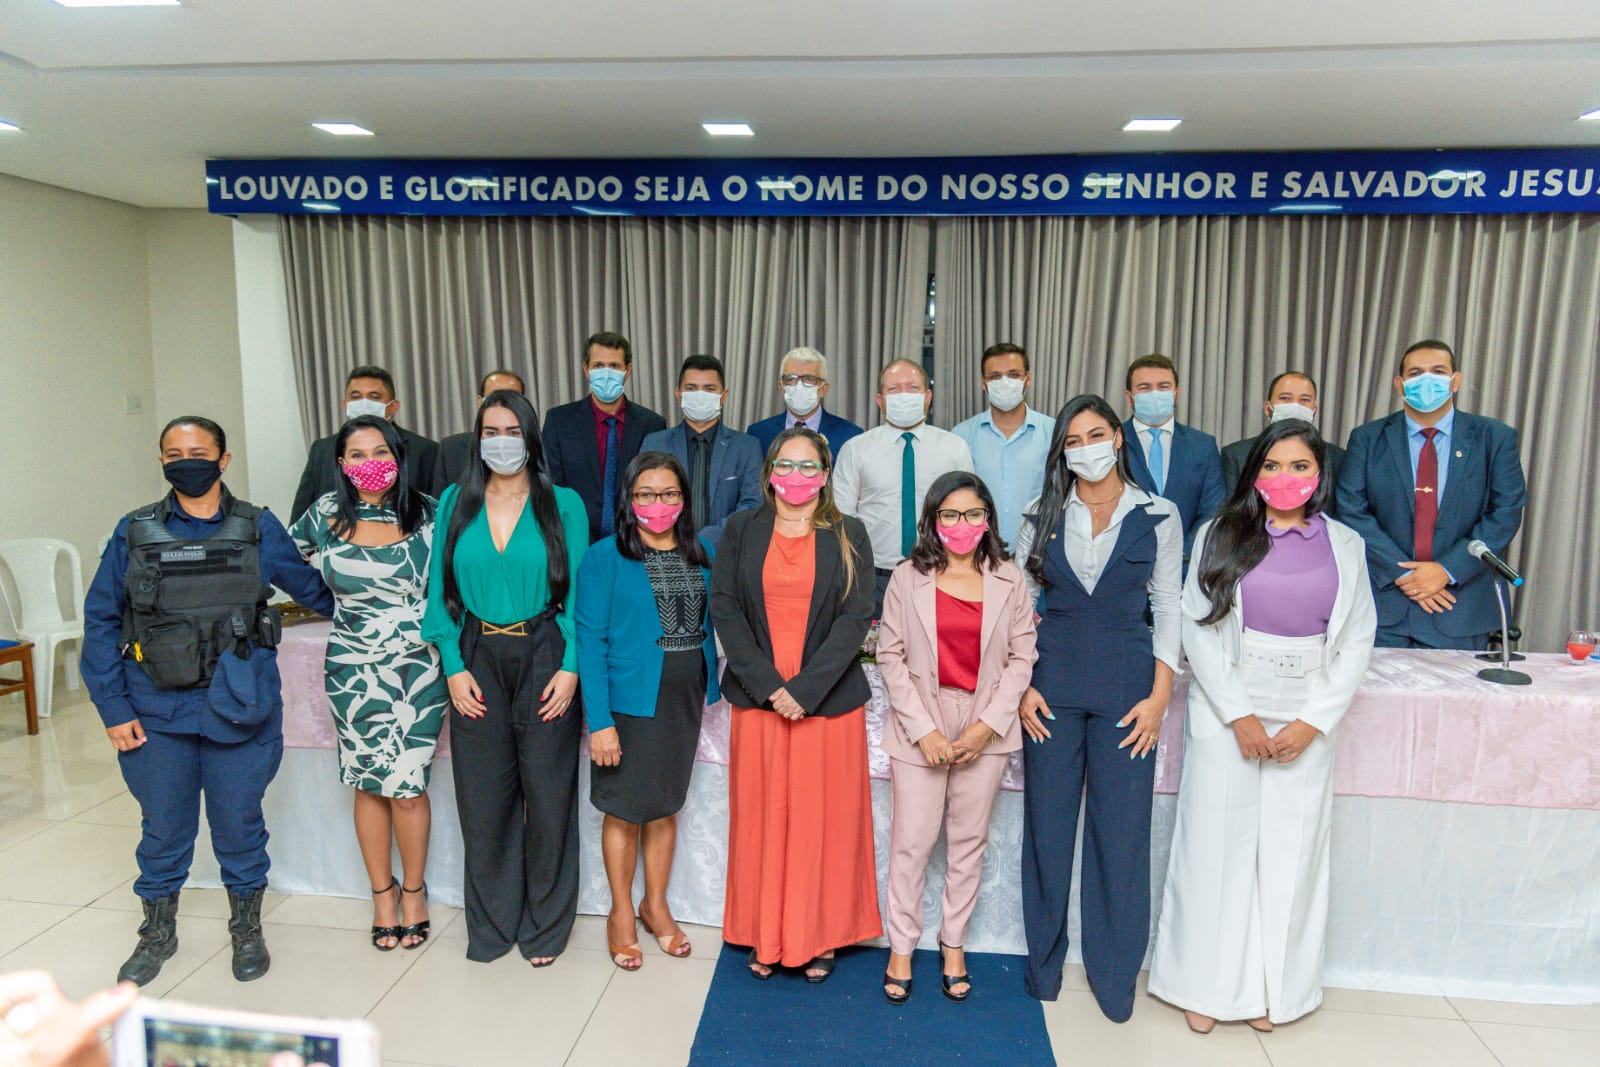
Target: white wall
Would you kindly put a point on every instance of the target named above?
(194, 327)
(74, 356)
(272, 426)
(106, 307)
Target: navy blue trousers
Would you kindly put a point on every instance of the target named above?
(168, 775)
(1114, 892)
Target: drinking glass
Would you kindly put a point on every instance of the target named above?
(1580, 645)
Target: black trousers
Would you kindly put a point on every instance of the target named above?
(516, 790)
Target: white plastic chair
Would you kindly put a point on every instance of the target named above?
(32, 562)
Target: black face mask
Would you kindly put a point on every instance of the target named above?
(192, 477)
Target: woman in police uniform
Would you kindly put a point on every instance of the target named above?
(180, 658)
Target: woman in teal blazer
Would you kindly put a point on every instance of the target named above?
(647, 663)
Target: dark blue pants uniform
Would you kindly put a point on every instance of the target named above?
(168, 775)
(1095, 663)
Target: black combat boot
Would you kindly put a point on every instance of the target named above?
(250, 958)
(158, 940)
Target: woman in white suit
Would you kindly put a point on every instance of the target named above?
(1278, 624)
(956, 647)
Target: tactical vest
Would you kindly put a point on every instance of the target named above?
(190, 601)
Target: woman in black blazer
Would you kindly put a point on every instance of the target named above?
(792, 599)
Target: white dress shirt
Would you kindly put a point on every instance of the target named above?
(1166, 428)
(1088, 554)
(866, 479)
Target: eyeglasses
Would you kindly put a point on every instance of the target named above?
(808, 467)
(974, 517)
(646, 497)
(801, 379)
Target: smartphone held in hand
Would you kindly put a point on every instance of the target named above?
(156, 1033)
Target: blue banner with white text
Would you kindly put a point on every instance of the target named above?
(1456, 181)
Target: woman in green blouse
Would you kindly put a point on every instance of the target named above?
(500, 602)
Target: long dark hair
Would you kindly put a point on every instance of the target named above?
(411, 508)
(629, 543)
(541, 497)
(827, 515)
(1059, 479)
(1238, 539)
(929, 553)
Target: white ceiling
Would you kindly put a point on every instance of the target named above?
(129, 103)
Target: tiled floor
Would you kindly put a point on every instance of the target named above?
(67, 834)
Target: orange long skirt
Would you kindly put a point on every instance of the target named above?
(802, 876)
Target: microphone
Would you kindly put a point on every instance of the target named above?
(1479, 550)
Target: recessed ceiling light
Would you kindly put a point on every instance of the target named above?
(1590, 116)
(343, 129)
(118, 3)
(1151, 125)
(728, 129)
(9, 127)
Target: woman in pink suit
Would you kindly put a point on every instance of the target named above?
(956, 650)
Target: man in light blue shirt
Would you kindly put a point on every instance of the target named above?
(1010, 441)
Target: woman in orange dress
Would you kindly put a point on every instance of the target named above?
(792, 598)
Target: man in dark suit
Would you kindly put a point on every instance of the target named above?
(458, 450)
(803, 380)
(368, 390)
(723, 465)
(1420, 485)
(1292, 395)
(589, 442)
(1169, 458)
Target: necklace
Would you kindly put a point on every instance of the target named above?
(512, 495)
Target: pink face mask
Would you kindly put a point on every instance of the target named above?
(796, 488)
(658, 517)
(961, 538)
(374, 475)
(1286, 491)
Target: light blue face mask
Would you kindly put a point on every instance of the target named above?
(606, 383)
(1154, 407)
(1427, 392)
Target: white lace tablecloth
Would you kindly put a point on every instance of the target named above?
(1466, 837)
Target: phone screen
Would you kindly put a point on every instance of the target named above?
(175, 1044)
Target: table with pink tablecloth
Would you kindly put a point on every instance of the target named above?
(1466, 838)
(1423, 726)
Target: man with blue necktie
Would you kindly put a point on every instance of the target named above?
(1168, 458)
(1419, 486)
(588, 443)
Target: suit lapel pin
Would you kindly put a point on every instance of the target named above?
(1458, 453)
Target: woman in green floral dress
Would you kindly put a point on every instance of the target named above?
(372, 538)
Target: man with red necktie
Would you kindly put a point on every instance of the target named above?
(1419, 486)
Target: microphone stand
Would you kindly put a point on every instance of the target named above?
(1505, 638)
(1503, 674)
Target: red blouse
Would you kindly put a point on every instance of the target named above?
(959, 624)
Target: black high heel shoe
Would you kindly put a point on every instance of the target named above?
(417, 930)
(953, 979)
(902, 984)
(385, 933)
(755, 962)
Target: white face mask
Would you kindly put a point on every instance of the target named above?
(905, 410)
(504, 454)
(700, 406)
(1092, 462)
(1005, 393)
(363, 406)
(801, 399)
(1292, 411)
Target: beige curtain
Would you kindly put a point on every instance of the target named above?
(440, 301)
(1234, 300)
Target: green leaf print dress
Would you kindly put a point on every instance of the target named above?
(384, 681)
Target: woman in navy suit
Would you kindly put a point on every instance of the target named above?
(647, 658)
(1106, 555)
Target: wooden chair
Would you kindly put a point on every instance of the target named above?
(22, 655)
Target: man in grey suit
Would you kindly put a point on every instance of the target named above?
(723, 465)
(1292, 395)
